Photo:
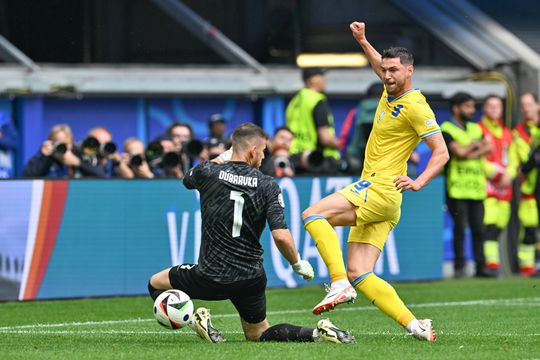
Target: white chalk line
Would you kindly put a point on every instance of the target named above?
(531, 301)
(188, 332)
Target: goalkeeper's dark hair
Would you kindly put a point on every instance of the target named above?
(247, 134)
(460, 98)
(404, 55)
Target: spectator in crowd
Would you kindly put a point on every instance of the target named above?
(133, 161)
(465, 180)
(501, 168)
(8, 147)
(217, 128)
(309, 117)
(56, 159)
(527, 138)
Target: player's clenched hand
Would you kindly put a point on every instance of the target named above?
(404, 183)
(304, 269)
(358, 30)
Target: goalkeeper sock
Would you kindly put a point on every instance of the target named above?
(288, 332)
(154, 293)
(382, 295)
(326, 240)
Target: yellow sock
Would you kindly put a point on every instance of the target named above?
(326, 240)
(382, 295)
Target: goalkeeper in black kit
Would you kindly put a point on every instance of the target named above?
(236, 202)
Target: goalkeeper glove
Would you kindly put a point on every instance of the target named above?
(225, 156)
(303, 268)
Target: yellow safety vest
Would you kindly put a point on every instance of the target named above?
(465, 179)
(299, 117)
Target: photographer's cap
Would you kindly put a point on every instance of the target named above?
(312, 71)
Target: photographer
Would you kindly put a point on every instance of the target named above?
(213, 148)
(163, 158)
(133, 162)
(186, 145)
(99, 155)
(277, 158)
(55, 159)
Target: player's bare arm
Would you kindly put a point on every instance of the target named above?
(285, 244)
(359, 33)
(439, 157)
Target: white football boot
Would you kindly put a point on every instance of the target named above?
(423, 330)
(331, 333)
(202, 324)
(336, 295)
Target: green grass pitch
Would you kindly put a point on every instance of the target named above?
(474, 319)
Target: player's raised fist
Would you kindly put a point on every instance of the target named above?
(358, 30)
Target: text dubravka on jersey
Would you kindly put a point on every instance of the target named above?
(238, 179)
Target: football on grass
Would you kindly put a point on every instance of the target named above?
(173, 309)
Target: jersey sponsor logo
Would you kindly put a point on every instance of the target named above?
(397, 110)
(280, 200)
(381, 116)
(238, 179)
(431, 122)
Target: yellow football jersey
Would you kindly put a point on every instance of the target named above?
(398, 127)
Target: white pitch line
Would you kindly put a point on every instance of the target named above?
(144, 332)
(531, 301)
(83, 323)
(115, 332)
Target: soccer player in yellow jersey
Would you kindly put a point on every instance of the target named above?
(371, 206)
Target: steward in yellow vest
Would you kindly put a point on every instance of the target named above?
(527, 139)
(308, 116)
(465, 180)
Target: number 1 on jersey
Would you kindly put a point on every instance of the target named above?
(236, 196)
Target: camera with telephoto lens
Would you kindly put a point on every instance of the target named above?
(315, 159)
(318, 163)
(59, 148)
(91, 147)
(192, 148)
(156, 157)
(135, 160)
(282, 162)
(107, 148)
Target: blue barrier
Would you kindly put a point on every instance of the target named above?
(100, 238)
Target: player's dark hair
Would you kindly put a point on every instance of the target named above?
(404, 55)
(181, 124)
(283, 128)
(460, 98)
(245, 134)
